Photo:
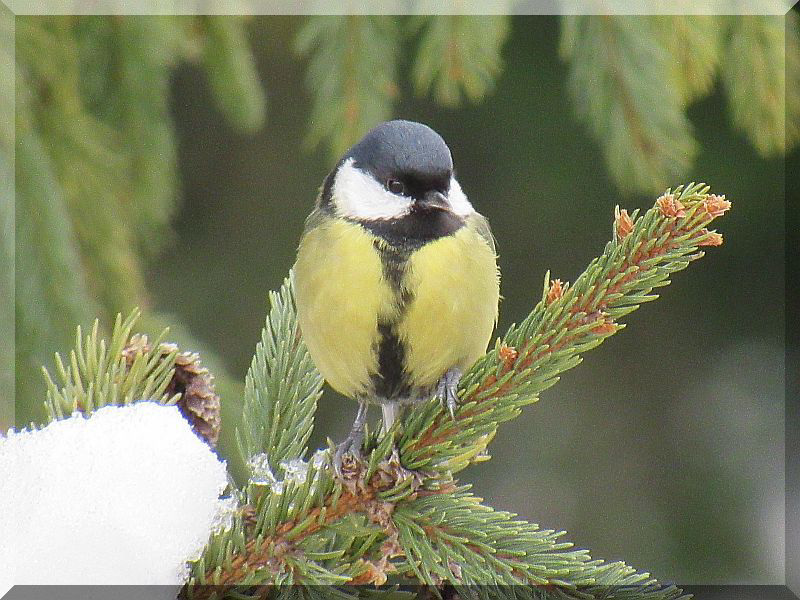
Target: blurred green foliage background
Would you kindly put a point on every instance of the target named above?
(169, 162)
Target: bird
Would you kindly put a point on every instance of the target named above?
(396, 279)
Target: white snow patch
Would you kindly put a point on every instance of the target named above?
(125, 496)
(261, 473)
(296, 470)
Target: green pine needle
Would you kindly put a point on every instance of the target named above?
(98, 373)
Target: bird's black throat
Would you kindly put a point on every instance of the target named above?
(414, 230)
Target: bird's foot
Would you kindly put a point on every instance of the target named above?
(349, 453)
(447, 390)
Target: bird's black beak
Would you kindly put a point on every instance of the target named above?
(433, 200)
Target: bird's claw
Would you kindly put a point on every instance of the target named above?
(447, 391)
(351, 446)
(348, 452)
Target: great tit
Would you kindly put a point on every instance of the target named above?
(396, 279)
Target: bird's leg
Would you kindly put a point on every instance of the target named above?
(447, 390)
(352, 443)
(391, 410)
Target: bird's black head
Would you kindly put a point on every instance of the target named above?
(398, 183)
(409, 153)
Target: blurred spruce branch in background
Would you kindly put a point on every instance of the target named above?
(693, 45)
(631, 78)
(7, 222)
(761, 67)
(401, 516)
(621, 80)
(352, 74)
(96, 152)
(458, 53)
(353, 61)
(96, 164)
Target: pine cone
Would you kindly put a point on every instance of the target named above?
(198, 403)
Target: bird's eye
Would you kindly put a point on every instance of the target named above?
(395, 186)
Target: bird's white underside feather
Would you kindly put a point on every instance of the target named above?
(357, 195)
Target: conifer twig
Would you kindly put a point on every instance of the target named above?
(568, 321)
(401, 513)
(621, 82)
(96, 373)
(458, 55)
(352, 73)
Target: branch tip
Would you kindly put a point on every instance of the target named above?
(670, 206)
(716, 206)
(710, 238)
(556, 290)
(623, 224)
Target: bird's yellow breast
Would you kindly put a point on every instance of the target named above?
(442, 307)
(455, 287)
(340, 293)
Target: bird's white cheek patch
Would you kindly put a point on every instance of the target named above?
(458, 200)
(358, 196)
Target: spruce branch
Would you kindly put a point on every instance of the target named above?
(82, 149)
(761, 73)
(96, 162)
(8, 102)
(232, 71)
(401, 515)
(621, 80)
(98, 373)
(457, 540)
(695, 44)
(51, 293)
(352, 74)
(282, 387)
(458, 53)
(144, 50)
(568, 321)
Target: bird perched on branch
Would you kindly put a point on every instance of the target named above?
(396, 279)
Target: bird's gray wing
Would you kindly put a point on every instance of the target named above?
(316, 218)
(482, 227)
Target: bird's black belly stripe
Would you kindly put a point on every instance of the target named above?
(391, 379)
(397, 240)
(394, 261)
